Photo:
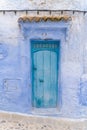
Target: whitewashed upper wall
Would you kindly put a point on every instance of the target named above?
(43, 4)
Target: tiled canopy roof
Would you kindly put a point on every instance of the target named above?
(43, 18)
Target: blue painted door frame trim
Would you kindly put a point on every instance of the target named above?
(37, 30)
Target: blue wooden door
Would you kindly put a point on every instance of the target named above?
(45, 57)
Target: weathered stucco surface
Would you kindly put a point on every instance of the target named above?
(43, 4)
(15, 78)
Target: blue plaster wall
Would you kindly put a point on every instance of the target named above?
(15, 64)
(43, 4)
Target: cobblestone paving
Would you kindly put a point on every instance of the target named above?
(23, 122)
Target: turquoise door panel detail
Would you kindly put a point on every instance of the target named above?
(45, 61)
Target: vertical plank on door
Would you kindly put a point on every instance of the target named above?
(39, 91)
(34, 80)
(53, 85)
(47, 79)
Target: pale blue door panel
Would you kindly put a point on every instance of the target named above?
(38, 80)
(47, 78)
(53, 79)
(50, 79)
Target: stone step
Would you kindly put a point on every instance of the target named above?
(16, 121)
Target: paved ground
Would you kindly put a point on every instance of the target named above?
(23, 122)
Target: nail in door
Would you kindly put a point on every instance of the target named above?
(45, 60)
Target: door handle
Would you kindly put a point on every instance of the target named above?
(41, 80)
(35, 68)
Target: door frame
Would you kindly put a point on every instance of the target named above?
(58, 66)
